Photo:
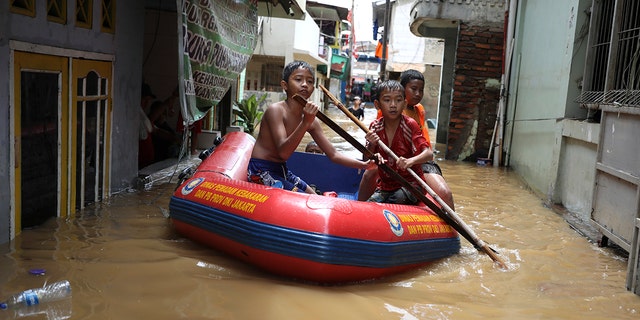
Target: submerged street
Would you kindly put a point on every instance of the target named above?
(125, 261)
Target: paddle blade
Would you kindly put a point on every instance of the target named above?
(494, 256)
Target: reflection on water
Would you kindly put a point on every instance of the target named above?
(125, 261)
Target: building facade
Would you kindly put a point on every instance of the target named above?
(567, 111)
(70, 96)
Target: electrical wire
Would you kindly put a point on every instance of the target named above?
(155, 35)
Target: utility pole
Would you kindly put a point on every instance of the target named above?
(385, 39)
(352, 40)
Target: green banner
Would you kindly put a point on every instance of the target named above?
(339, 67)
(216, 41)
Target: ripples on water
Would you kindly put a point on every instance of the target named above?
(124, 261)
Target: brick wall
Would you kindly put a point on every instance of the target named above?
(476, 91)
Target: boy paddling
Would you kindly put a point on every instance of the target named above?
(403, 135)
(283, 126)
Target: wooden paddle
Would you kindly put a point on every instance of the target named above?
(369, 155)
(444, 211)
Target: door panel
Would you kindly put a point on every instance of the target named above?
(39, 139)
(92, 133)
(38, 150)
(61, 148)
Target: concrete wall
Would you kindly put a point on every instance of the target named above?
(576, 172)
(543, 84)
(432, 84)
(277, 35)
(293, 40)
(39, 30)
(306, 37)
(127, 79)
(5, 188)
(541, 74)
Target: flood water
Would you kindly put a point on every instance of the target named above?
(125, 261)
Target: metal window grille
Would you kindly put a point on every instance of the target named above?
(84, 13)
(26, 7)
(271, 76)
(57, 11)
(626, 76)
(108, 16)
(601, 46)
(613, 74)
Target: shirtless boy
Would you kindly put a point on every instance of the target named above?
(283, 126)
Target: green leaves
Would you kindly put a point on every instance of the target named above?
(248, 113)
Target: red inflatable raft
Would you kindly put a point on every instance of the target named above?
(323, 239)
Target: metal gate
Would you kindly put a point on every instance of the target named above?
(616, 197)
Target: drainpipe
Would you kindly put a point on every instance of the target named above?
(352, 44)
(510, 17)
(385, 39)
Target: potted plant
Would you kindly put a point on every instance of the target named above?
(248, 112)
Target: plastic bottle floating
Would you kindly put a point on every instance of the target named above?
(48, 293)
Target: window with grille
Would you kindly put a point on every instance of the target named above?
(84, 13)
(108, 16)
(626, 63)
(25, 7)
(612, 71)
(57, 11)
(271, 76)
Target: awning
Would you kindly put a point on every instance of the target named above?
(314, 60)
(308, 57)
(326, 12)
(287, 9)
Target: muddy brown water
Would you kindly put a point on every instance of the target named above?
(125, 261)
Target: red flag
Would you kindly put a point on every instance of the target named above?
(352, 36)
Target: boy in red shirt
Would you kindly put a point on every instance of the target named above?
(413, 83)
(403, 136)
